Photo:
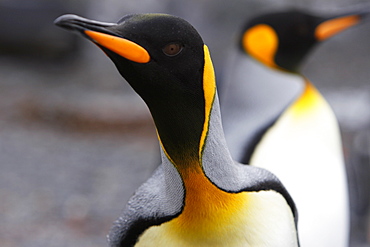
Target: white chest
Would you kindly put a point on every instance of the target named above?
(304, 150)
(265, 221)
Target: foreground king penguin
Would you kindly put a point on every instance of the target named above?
(285, 125)
(198, 196)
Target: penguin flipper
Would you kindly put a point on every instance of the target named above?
(147, 207)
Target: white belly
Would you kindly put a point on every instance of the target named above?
(304, 151)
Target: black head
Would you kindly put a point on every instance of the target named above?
(283, 39)
(163, 58)
(145, 47)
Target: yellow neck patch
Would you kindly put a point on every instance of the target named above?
(208, 210)
(209, 88)
(308, 101)
(261, 42)
(332, 27)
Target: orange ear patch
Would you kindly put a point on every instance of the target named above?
(261, 42)
(121, 46)
(332, 27)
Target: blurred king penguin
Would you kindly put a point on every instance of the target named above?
(278, 120)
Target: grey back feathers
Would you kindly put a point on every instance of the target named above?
(253, 97)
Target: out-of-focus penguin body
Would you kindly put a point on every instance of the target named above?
(299, 138)
(198, 196)
(310, 146)
(249, 109)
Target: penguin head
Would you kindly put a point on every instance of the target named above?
(281, 40)
(164, 59)
(149, 50)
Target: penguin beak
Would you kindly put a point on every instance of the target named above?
(335, 25)
(101, 35)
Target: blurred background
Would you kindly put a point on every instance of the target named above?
(75, 141)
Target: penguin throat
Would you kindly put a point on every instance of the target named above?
(184, 147)
(204, 204)
(308, 101)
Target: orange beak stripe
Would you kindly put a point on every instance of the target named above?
(332, 27)
(121, 46)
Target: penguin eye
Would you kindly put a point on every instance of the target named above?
(172, 49)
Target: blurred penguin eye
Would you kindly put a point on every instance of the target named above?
(172, 49)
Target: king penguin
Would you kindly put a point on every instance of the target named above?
(293, 131)
(198, 196)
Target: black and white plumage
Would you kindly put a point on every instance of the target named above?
(275, 118)
(198, 196)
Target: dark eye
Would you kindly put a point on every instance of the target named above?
(172, 49)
